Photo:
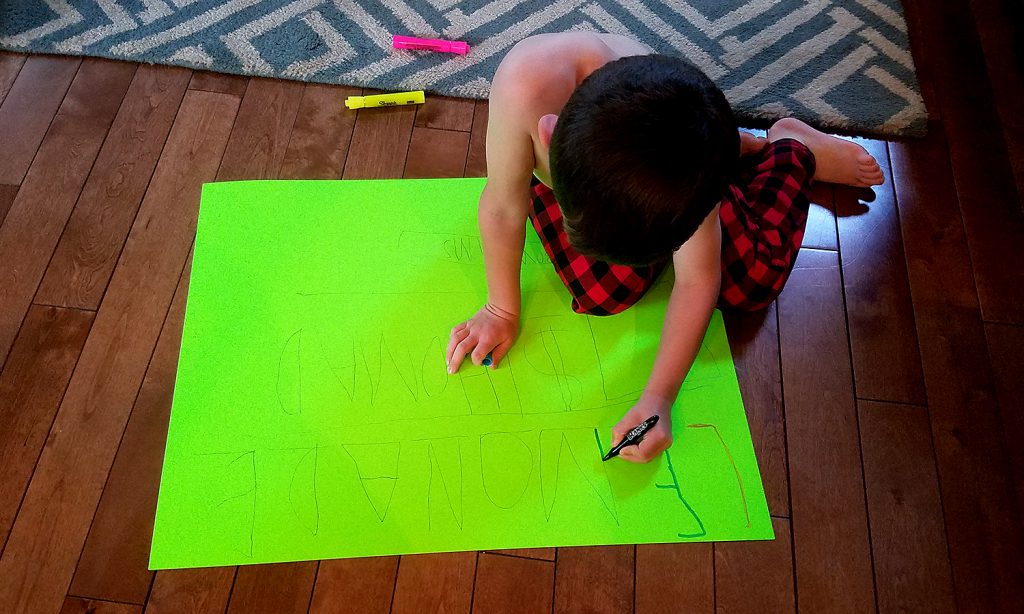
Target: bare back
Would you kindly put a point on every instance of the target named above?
(535, 79)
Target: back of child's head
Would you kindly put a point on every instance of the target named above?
(640, 155)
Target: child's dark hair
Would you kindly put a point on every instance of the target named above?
(640, 155)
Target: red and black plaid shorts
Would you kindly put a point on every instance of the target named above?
(762, 222)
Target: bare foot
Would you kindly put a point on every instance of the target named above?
(750, 144)
(837, 160)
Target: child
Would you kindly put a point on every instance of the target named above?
(623, 161)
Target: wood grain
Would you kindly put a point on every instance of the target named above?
(435, 583)
(28, 109)
(436, 153)
(881, 315)
(31, 387)
(596, 579)
(380, 142)
(321, 134)
(66, 486)
(10, 66)
(278, 588)
(77, 605)
(33, 226)
(7, 196)
(999, 24)
(114, 562)
(446, 113)
(983, 179)
(821, 218)
(544, 554)
(756, 576)
(191, 591)
(88, 250)
(907, 534)
(506, 584)
(982, 521)
(364, 585)
(218, 82)
(1004, 345)
(754, 341)
(476, 161)
(260, 135)
(674, 578)
(833, 556)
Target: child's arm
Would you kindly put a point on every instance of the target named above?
(697, 265)
(504, 207)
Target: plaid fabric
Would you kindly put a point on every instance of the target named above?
(762, 229)
(763, 226)
(598, 288)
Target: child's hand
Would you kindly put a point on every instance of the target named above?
(656, 441)
(491, 331)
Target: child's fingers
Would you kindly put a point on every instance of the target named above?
(458, 334)
(498, 353)
(463, 348)
(483, 347)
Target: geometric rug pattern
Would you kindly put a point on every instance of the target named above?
(844, 64)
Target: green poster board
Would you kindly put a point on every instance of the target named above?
(313, 416)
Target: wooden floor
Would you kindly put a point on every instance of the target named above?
(884, 388)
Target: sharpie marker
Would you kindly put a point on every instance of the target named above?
(632, 438)
(429, 44)
(385, 100)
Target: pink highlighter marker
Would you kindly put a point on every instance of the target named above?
(429, 44)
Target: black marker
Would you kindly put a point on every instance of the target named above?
(632, 438)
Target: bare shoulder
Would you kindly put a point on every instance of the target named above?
(561, 60)
(538, 74)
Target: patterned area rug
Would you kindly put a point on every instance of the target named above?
(842, 64)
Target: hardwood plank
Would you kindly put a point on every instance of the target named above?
(756, 576)
(908, 538)
(754, 341)
(191, 591)
(31, 387)
(321, 134)
(983, 179)
(218, 82)
(982, 521)
(435, 583)
(883, 338)
(1004, 344)
(512, 585)
(380, 142)
(29, 108)
(77, 605)
(10, 66)
(277, 588)
(436, 153)
(66, 486)
(476, 161)
(446, 113)
(85, 257)
(594, 579)
(355, 585)
(674, 578)
(33, 226)
(821, 218)
(833, 557)
(114, 562)
(543, 554)
(999, 24)
(7, 195)
(260, 135)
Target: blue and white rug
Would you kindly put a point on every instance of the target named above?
(842, 64)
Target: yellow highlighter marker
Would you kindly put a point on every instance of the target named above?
(385, 100)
